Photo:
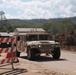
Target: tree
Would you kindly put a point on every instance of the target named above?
(61, 27)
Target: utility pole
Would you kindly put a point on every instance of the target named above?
(2, 19)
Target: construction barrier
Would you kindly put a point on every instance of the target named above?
(7, 50)
(7, 39)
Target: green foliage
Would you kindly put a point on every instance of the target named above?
(52, 25)
(63, 26)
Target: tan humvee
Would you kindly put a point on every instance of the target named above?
(34, 44)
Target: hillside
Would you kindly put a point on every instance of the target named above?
(55, 25)
(37, 21)
(27, 22)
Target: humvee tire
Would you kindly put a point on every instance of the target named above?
(56, 53)
(31, 54)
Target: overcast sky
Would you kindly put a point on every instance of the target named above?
(37, 9)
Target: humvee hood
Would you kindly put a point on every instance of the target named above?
(41, 42)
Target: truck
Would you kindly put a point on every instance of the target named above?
(37, 43)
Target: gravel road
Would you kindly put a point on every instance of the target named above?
(43, 65)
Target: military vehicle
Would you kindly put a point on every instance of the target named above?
(35, 44)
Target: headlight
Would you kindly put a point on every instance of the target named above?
(35, 46)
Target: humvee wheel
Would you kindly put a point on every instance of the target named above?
(17, 53)
(31, 54)
(56, 53)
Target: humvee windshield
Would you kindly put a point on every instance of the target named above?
(37, 37)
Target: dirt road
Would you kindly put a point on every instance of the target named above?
(43, 65)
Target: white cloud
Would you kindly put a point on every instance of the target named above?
(41, 8)
(10, 16)
(40, 0)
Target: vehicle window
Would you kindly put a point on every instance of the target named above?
(44, 37)
(32, 37)
(37, 37)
